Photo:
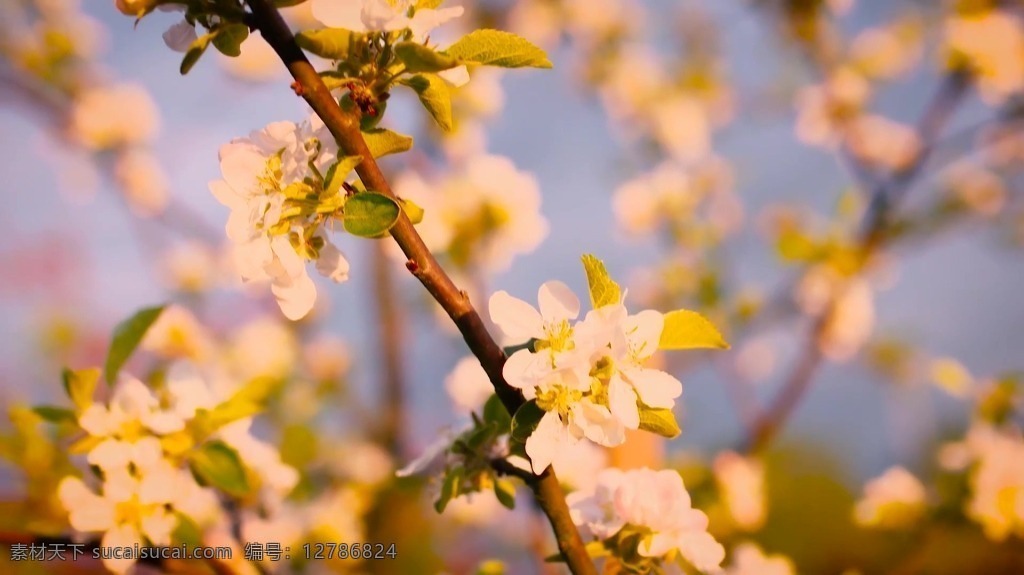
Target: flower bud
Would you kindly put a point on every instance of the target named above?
(135, 7)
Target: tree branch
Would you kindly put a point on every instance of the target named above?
(871, 238)
(389, 337)
(345, 129)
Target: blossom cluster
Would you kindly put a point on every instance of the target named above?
(484, 212)
(591, 378)
(653, 505)
(274, 182)
(994, 456)
(147, 448)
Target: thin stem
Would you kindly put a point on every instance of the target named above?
(390, 337)
(871, 238)
(345, 129)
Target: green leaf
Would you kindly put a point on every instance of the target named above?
(526, 419)
(330, 43)
(419, 58)
(449, 489)
(187, 531)
(603, 291)
(336, 174)
(218, 465)
(55, 414)
(194, 52)
(80, 384)
(127, 336)
(505, 491)
(660, 421)
(685, 329)
(369, 214)
(436, 97)
(298, 445)
(494, 412)
(497, 48)
(412, 210)
(228, 39)
(382, 142)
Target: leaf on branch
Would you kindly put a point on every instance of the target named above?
(330, 43)
(505, 491)
(436, 97)
(80, 384)
(194, 52)
(250, 400)
(419, 58)
(495, 412)
(659, 421)
(382, 142)
(228, 39)
(127, 336)
(217, 464)
(603, 290)
(526, 419)
(55, 414)
(412, 210)
(335, 175)
(370, 215)
(449, 489)
(497, 48)
(685, 329)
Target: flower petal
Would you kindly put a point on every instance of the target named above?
(557, 302)
(120, 537)
(295, 296)
(622, 402)
(655, 387)
(456, 77)
(332, 263)
(546, 441)
(180, 36)
(515, 318)
(423, 21)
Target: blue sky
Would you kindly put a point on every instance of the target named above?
(958, 296)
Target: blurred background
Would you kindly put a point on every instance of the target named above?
(718, 156)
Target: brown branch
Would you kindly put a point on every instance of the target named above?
(345, 129)
(389, 337)
(872, 238)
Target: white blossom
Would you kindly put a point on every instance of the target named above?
(654, 500)
(382, 16)
(106, 117)
(271, 243)
(749, 559)
(892, 500)
(468, 385)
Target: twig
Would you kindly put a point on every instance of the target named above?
(871, 238)
(389, 338)
(345, 129)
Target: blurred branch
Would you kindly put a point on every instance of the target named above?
(871, 238)
(390, 338)
(54, 106)
(345, 129)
